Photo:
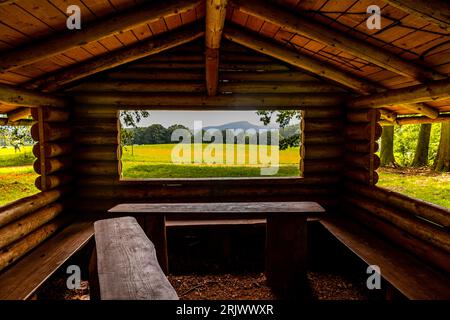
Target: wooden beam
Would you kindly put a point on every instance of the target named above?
(323, 69)
(434, 91)
(216, 11)
(105, 27)
(27, 98)
(434, 11)
(416, 120)
(388, 115)
(119, 57)
(19, 114)
(333, 38)
(199, 101)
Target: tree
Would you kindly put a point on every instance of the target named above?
(423, 144)
(127, 138)
(442, 161)
(132, 118)
(283, 118)
(387, 158)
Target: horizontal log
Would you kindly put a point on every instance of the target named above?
(361, 175)
(20, 228)
(426, 210)
(401, 238)
(317, 152)
(97, 139)
(315, 138)
(321, 166)
(322, 125)
(143, 193)
(105, 27)
(361, 147)
(53, 181)
(99, 126)
(416, 120)
(52, 150)
(11, 95)
(100, 153)
(365, 161)
(18, 249)
(19, 114)
(326, 113)
(416, 227)
(223, 101)
(293, 182)
(194, 57)
(363, 115)
(432, 91)
(51, 114)
(199, 87)
(387, 114)
(180, 75)
(22, 122)
(52, 132)
(223, 66)
(24, 206)
(97, 168)
(149, 46)
(362, 131)
(53, 165)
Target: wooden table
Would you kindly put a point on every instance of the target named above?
(286, 234)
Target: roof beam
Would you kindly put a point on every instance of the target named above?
(330, 37)
(323, 69)
(19, 114)
(106, 27)
(416, 120)
(216, 11)
(11, 95)
(434, 91)
(113, 59)
(434, 11)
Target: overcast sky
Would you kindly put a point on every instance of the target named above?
(208, 118)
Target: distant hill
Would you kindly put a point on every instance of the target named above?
(245, 125)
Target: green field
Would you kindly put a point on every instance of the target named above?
(154, 161)
(17, 176)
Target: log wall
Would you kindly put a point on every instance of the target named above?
(27, 222)
(414, 225)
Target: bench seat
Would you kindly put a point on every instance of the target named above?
(21, 280)
(410, 276)
(126, 263)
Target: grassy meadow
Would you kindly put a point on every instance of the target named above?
(154, 161)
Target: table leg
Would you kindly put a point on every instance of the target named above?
(155, 229)
(286, 252)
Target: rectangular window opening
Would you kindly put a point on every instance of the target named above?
(210, 144)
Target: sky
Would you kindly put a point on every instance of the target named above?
(208, 118)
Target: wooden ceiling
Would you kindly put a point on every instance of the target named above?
(412, 38)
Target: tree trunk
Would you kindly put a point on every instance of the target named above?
(442, 162)
(423, 142)
(387, 147)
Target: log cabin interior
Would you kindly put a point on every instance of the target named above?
(317, 56)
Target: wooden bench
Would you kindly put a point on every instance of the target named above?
(126, 263)
(20, 281)
(286, 235)
(404, 272)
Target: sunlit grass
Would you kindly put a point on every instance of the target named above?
(16, 183)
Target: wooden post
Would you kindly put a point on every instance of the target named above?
(155, 229)
(286, 252)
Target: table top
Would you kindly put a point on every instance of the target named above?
(306, 208)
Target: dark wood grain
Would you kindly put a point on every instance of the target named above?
(127, 265)
(408, 275)
(21, 281)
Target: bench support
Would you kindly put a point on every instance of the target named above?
(286, 249)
